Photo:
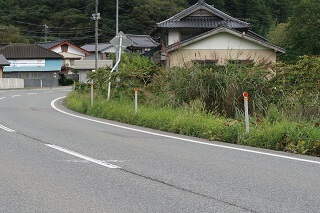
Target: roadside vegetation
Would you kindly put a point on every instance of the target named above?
(207, 102)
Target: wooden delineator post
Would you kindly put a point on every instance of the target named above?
(246, 110)
(136, 100)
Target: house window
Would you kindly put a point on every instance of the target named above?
(72, 62)
(64, 48)
(185, 36)
(205, 63)
(240, 62)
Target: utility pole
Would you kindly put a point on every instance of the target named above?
(46, 32)
(117, 31)
(96, 18)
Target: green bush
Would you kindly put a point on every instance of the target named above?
(63, 81)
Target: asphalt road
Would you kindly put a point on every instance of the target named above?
(51, 161)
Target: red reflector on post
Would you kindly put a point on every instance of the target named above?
(136, 89)
(245, 95)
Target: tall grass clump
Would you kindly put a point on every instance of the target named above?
(220, 87)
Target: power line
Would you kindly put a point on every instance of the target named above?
(38, 25)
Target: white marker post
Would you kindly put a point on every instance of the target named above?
(246, 110)
(136, 100)
(117, 63)
(120, 41)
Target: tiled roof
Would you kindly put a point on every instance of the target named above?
(49, 45)
(142, 41)
(92, 47)
(201, 22)
(219, 19)
(3, 45)
(231, 31)
(3, 61)
(27, 51)
(53, 45)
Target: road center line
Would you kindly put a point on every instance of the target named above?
(32, 93)
(99, 162)
(15, 96)
(183, 139)
(6, 128)
(2, 98)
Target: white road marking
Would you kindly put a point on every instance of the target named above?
(48, 92)
(99, 162)
(183, 139)
(2, 98)
(32, 93)
(15, 96)
(6, 129)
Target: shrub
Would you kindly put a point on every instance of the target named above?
(220, 87)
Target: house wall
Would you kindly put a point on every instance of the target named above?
(173, 36)
(35, 79)
(71, 50)
(225, 41)
(31, 65)
(221, 48)
(110, 50)
(90, 64)
(185, 56)
(0, 71)
(92, 56)
(11, 83)
(83, 76)
(75, 51)
(57, 49)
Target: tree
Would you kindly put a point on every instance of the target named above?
(304, 28)
(146, 15)
(279, 36)
(11, 34)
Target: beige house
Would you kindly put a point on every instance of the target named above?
(202, 34)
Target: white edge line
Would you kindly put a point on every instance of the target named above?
(92, 160)
(183, 139)
(15, 96)
(6, 128)
(2, 98)
(32, 93)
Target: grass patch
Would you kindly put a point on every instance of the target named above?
(270, 133)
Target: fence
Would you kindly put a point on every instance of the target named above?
(39, 83)
(11, 83)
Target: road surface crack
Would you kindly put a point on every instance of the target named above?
(187, 190)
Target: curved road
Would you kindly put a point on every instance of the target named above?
(56, 160)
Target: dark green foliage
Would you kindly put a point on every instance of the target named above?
(63, 81)
(71, 19)
(11, 34)
(304, 28)
(300, 35)
(300, 85)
